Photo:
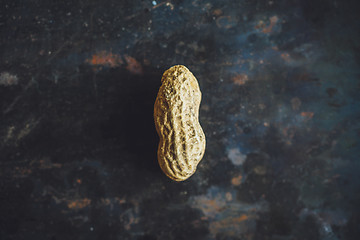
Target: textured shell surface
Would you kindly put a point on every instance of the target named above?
(176, 115)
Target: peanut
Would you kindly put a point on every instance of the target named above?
(176, 114)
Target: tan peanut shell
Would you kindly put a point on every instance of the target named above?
(176, 115)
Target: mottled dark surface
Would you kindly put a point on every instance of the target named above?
(280, 109)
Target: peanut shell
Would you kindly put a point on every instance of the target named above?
(176, 115)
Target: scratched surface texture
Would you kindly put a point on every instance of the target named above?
(280, 109)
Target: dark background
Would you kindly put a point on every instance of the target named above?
(280, 110)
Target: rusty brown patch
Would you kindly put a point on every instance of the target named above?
(106, 59)
(133, 66)
(236, 181)
(240, 79)
(217, 12)
(273, 21)
(307, 115)
(79, 203)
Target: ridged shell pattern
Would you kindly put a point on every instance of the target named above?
(176, 115)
